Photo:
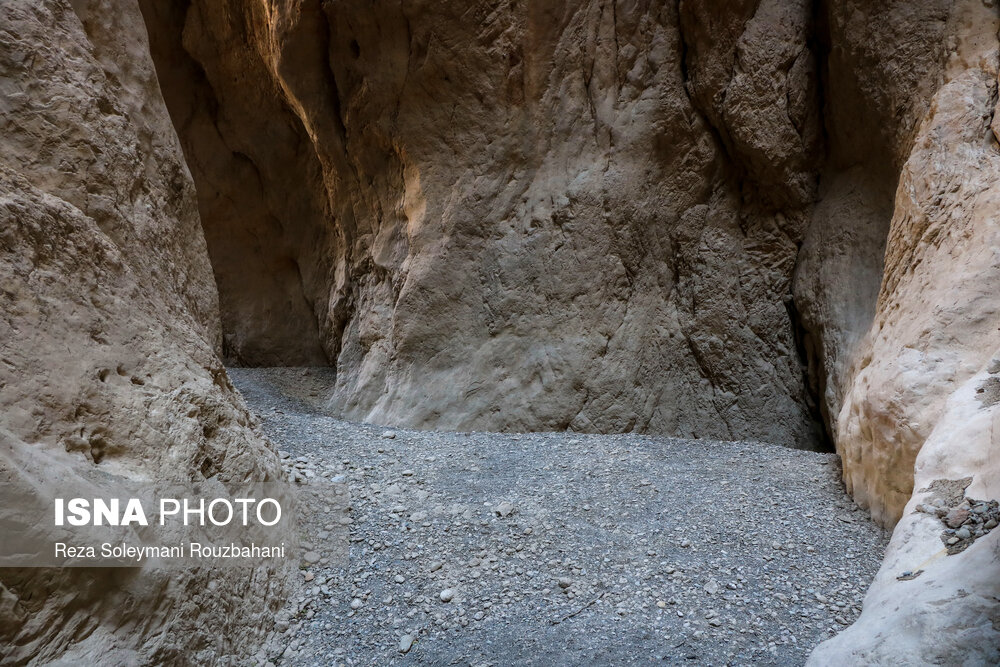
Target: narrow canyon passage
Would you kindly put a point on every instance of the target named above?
(556, 548)
(611, 270)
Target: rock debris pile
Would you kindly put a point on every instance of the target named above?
(965, 522)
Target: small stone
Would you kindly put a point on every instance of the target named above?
(504, 509)
(399, 579)
(963, 533)
(388, 435)
(685, 543)
(712, 587)
(715, 622)
(990, 525)
(308, 576)
(447, 595)
(952, 540)
(311, 557)
(956, 517)
(407, 473)
(565, 582)
(356, 603)
(405, 643)
(436, 565)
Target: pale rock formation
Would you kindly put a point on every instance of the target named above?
(920, 400)
(588, 216)
(108, 330)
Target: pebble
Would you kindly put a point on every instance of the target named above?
(311, 557)
(504, 509)
(956, 517)
(446, 595)
(356, 603)
(405, 643)
(389, 435)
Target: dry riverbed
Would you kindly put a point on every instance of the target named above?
(556, 548)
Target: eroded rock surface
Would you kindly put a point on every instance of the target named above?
(916, 409)
(549, 209)
(621, 217)
(108, 334)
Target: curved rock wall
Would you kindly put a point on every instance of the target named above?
(920, 401)
(884, 65)
(587, 214)
(108, 335)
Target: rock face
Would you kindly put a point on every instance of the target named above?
(581, 216)
(919, 400)
(108, 335)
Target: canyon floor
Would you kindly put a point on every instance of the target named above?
(556, 548)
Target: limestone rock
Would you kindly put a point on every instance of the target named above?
(916, 407)
(108, 335)
(693, 218)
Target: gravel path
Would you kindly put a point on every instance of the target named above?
(558, 548)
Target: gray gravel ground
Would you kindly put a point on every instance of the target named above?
(557, 548)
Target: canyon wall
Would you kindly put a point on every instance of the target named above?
(919, 399)
(109, 328)
(521, 217)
